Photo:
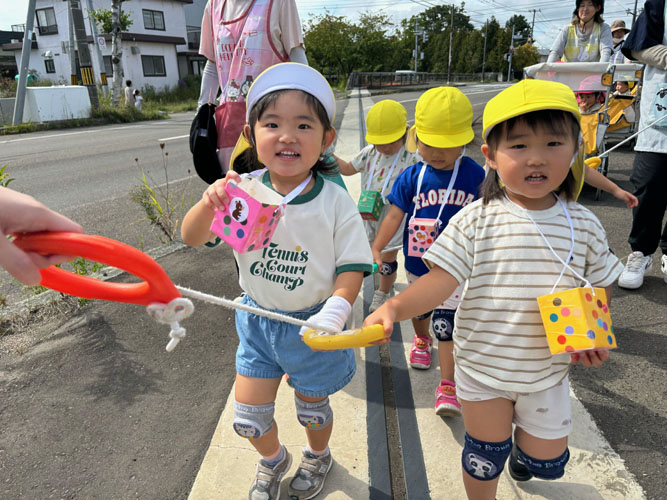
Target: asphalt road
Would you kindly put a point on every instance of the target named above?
(96, 409)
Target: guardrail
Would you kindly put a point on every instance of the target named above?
(395, 79)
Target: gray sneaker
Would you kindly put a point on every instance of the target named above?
(379, 298)
(267, 479)
(632, 276)
(310, 476)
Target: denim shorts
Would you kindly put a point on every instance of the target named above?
(270, 348)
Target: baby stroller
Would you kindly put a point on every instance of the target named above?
(597, 80)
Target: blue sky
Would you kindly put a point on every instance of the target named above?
(550, 17)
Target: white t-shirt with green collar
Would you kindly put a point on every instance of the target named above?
(320, 236)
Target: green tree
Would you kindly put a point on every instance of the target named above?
(524, 55)
(521, 28)
(102, 18)
(372, 44)
(330, 44)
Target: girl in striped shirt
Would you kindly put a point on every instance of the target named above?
(509, 248)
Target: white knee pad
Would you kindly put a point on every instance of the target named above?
(314, 416)
(252, 421)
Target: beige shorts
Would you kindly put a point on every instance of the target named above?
(372, 226)
(545, 414)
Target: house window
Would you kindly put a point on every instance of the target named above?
(153, 65)
(46, 21)
(50, 65)
(108, 67)
(153, 19)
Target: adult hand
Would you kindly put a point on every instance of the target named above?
(20, 213)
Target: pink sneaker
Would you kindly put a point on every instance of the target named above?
(446, 404)
(420, 354)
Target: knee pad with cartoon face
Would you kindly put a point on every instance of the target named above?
(253, 421)
(443, 324)
(315, 415)
(388, 268)
(484, 460)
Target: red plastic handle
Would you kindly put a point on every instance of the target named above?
(157, 286)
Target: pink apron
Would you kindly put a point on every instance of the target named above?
(243, 49)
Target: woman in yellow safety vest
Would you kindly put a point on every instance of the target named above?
(587, 38)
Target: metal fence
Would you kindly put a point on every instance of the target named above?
(396, 79)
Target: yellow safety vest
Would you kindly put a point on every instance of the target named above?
(576, 51)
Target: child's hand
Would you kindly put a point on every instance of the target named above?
(384, 316)
(594, 357)
(377, 257)
(215, 196)
(629, 199)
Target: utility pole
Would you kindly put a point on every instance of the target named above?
(85, 62)
(532, 27)
(416, 44)
(25, 62)
(486, 32)
(71, 49)
(634, 14)
(451, 33)
(98, 52)
(509, 70)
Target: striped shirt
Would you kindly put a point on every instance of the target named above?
(498, 337)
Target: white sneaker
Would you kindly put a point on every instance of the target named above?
(379, 298)
(663, 266)
(632, 276)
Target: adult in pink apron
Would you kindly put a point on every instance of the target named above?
(243, 49)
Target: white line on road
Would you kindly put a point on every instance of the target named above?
(71, 133)
(173, 138)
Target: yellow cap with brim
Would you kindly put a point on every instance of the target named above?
(286, 76)
(535, 95)
(443, 119)
(386, 122)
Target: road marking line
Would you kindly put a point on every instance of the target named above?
(67, 133)
(173, 138)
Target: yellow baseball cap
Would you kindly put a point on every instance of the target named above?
(443, 119)
(535, 95)
(286, 76)
(386, 122)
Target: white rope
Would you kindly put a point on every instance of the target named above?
(221, 301)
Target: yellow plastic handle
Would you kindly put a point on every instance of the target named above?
(593, 161)
(359, 337)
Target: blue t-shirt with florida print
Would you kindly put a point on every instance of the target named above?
(433, 189)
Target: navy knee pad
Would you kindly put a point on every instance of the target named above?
(388, 268)
(424, 316)
(544, 469)
(443, 323)
(315, 415)
(484, 460)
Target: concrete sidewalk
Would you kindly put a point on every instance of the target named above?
(430, 446)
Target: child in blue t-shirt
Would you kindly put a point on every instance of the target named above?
(434, 189)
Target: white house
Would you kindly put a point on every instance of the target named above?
(155, 48)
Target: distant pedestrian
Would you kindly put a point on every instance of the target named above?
(138, 100)
(618, 32)
(129, 93)
(587, 38)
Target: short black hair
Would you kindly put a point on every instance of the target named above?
(128, 82)
(552, 120)
(252, 162)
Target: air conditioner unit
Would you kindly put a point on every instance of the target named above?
(135, 50)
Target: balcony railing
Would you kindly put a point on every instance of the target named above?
(193, 39)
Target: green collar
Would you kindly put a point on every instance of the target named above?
(302, 198)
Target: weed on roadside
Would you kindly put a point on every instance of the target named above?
(4, 177)
(163, 205)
